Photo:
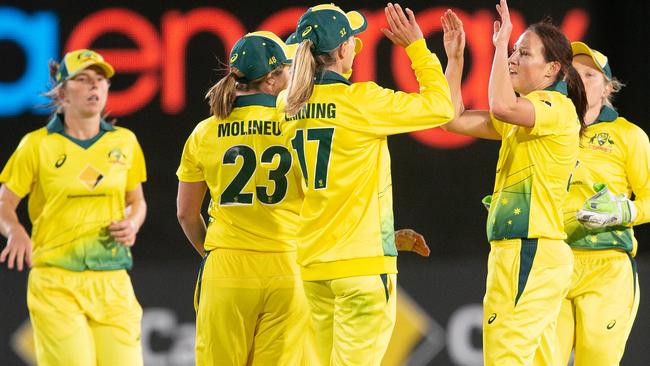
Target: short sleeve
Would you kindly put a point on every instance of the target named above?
(21, 171)
(138, 171)
(637, 168)
(499, 125)
(547, 112)
(190, 169)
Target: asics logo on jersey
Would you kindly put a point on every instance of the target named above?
(611, 324)
(492, 318)
(60, 160)
(306, 31)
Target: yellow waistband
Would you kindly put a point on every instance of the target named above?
(600, 253)
(349, 268)
(56, 271)
(540, 241)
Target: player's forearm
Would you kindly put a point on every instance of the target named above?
(642, 205)
(501, 95)
(136, 207)
(137, 212)
(195, 230)
(433, 84)
(8, 219)
(454, 74)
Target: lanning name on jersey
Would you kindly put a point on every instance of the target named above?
(254, 127)
(315, 110)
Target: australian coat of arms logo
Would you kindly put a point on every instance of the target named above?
(601, 141)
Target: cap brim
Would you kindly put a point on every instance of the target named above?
(579, 48)
(358, 22)
(105, 66)
(358, 45)
(292, 39)
(290, 52)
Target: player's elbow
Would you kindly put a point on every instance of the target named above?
(185, 214)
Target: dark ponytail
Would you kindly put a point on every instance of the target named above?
(558, 48)
(577, 94)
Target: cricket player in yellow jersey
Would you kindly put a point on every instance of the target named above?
(83, 177)
(597, 315)
(251, 307)
(346, 245)
(530, 265)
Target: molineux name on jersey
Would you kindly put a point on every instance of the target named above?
(239, 128)
(315, 110)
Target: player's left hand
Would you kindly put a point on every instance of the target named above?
(407, 240)
(454, 35)
(606, 209)
(123, 231)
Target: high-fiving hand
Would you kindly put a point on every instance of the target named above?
(454, 35)
(403, 30)
(503, 28)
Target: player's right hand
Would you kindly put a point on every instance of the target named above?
(403, 30)
(408, 240)
(18, 250)
(502, 28)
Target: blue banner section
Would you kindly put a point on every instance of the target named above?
(37, 35)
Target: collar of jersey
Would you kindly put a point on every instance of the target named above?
(55, 125)
(607, 114)
(330, 77)
(558, 86)
(264, 100)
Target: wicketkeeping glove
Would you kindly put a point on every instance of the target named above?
(486, 201)
(606, 209)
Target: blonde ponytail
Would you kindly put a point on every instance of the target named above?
(301, 84)
(221, 96)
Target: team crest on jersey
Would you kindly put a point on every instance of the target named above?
(90, 177)
(116, 156)
(601, 141)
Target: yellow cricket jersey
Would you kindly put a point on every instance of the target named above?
(616, 152)
(247, 166)
(534, 168)
(76, 188)
(340, 143)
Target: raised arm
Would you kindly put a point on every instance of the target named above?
(472, 123)
(504, 103)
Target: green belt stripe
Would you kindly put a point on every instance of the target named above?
(633, 262)
(198, 289)
(384, 279)
(526, 257)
